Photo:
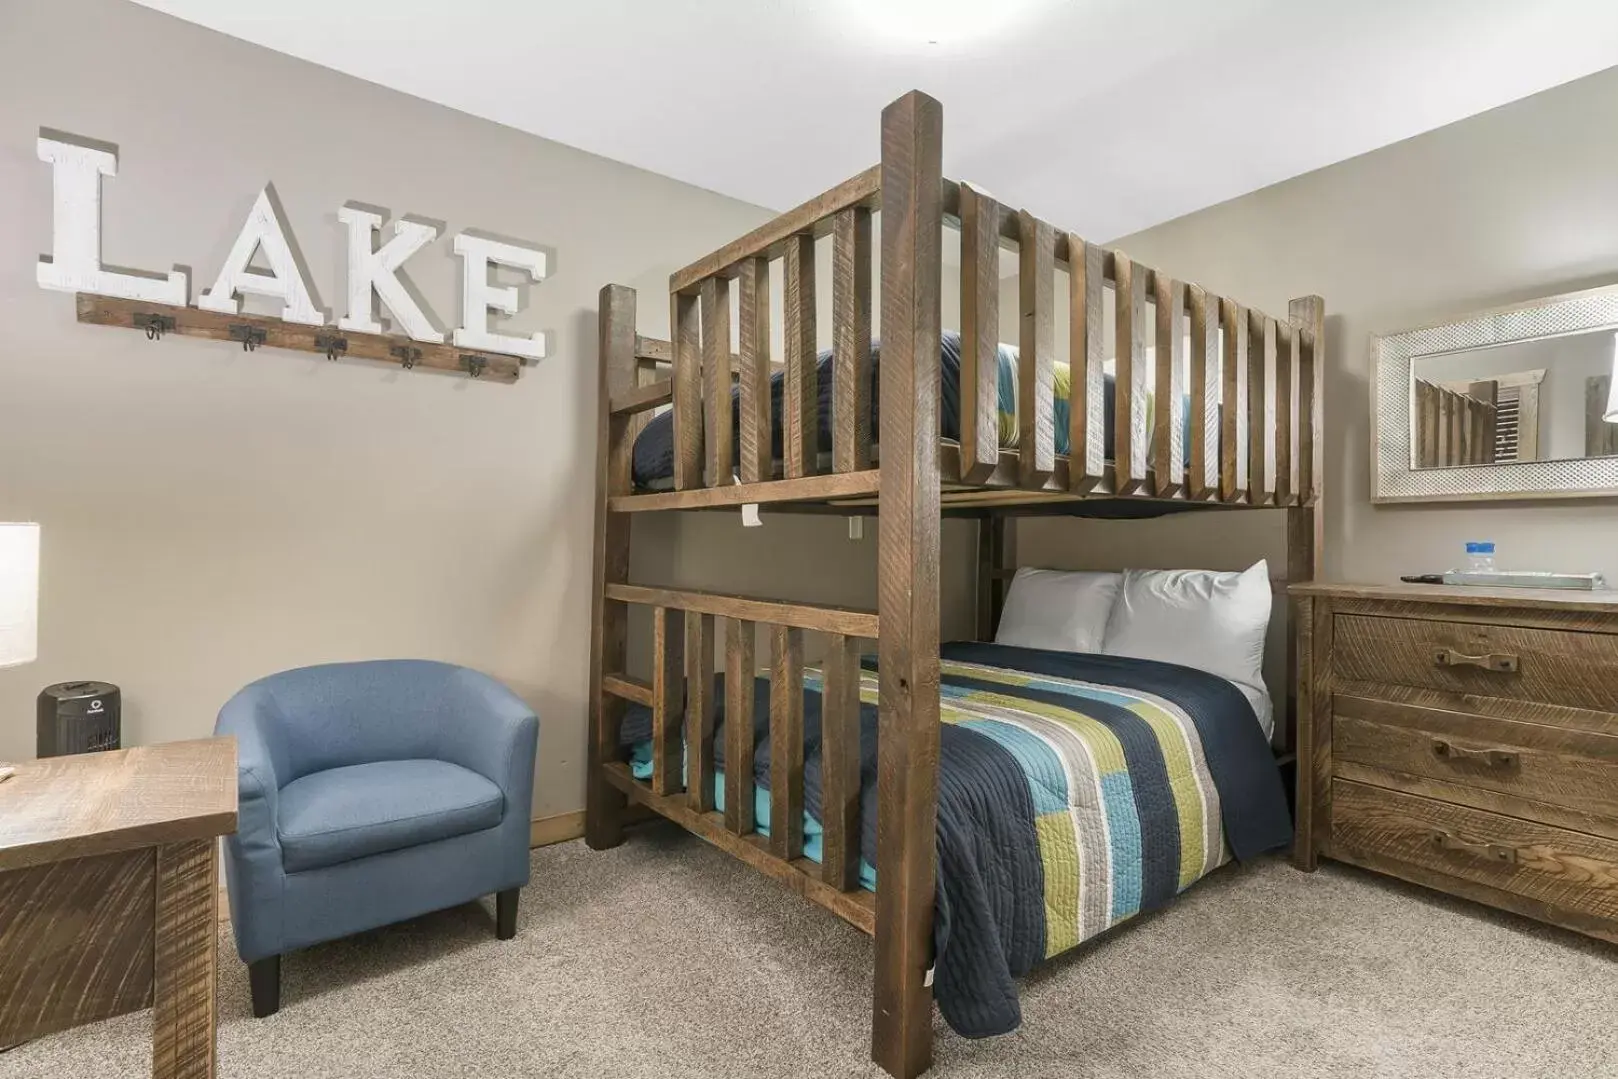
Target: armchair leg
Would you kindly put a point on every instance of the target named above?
(264, 979)
(505, 913)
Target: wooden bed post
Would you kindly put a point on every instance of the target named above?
(604, 803)
(993, 532)
(907, 572)
(1305, 543)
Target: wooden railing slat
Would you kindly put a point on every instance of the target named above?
(716, 380)
(1087, 432)
(980, 335)
(786, 742)
(840, 764)
(1202, 469)
(668, 696)
(1168, 457)
(739, 748)
(851, 340)
(1308, 313)
(754, 389)
(626, 688)
(687, 391)
(848, 620)
(1260, 409)
(1036, 352)
(643, 398)
(1233, 413)
(800, 405)
(1286, 480)
(1129, 377)
(699, 709)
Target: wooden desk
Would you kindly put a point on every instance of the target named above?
(109, 894)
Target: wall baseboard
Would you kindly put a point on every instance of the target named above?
(542, 832)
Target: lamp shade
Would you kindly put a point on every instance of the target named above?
(19, 594)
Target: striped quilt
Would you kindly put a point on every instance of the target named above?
(1075, 791)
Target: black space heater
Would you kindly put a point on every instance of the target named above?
(78, 717)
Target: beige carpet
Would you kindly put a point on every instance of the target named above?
(666, 958)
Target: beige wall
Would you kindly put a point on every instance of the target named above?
(209, 516)
(1514, 204)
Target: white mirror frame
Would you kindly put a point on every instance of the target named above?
(1392, 406)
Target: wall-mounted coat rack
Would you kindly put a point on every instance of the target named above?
(251, 331)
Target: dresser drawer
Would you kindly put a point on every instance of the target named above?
(1550, 666)
(1554, 767)
(1564, 870)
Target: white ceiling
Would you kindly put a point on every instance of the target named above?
(1102, 116)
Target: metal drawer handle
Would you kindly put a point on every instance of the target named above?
(1494, 758)
(1494, 852)
(1504, 662)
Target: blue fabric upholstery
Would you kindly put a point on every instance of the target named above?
(363, 809)
(370, 793)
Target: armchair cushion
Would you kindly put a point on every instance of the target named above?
(343, 814)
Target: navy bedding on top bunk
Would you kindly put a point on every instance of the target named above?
(654, 448)
(1074, 791)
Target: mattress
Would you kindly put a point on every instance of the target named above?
(653, 458)
(1075, 792)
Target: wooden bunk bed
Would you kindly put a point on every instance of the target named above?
(1260, 448)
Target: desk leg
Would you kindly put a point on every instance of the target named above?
(185, 961)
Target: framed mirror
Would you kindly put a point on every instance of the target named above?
(1518, 402)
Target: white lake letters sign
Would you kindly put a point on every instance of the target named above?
(74, 264)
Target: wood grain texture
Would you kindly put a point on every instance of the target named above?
(1233, 411)
(700, 709)
(826, 619)
(627, 688)
(1568, 609)
(1576, 770)
(1562, 869)
(753, 391)
(685, 317)
(804, 489)
(102, 803)
(907, 583)
(980, 335)
(1087, 449)
(1168, 456)
(1286, 417)
(96, 310)
(740, 665)
(668, 699)
(184, 961)
(1579, 670)
(718, 436)
(618, 344)
(1304, 556)
(1129, 449)
(1308, 314)
(840, 764)
(644, 398)
(800, 407)
(851, 340)
(769, 239)
(75, 942)
(857, 908)
(1260, 409)
(1202, 378)
(786, 742)
(1036, 351)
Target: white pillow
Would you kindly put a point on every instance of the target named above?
(1215, 622)
(1061, 611)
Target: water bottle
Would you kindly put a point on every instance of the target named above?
(1480, 556)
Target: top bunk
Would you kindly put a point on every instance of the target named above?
(1101, 420)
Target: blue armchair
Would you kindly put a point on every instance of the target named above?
(371, 793)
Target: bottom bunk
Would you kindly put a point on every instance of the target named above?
(1074, 792)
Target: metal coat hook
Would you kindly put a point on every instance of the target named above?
(250, 336)
(408, 355)
(331, 344)
(475, 365)
(154, 325)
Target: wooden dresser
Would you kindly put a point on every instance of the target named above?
(1464, 739)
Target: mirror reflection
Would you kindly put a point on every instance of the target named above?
(1548, 399)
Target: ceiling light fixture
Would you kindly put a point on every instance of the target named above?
(939, 23)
